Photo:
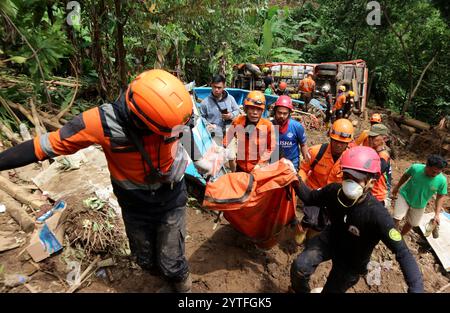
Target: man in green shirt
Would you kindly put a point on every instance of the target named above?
(422, 182)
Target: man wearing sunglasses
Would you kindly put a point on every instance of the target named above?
(255, 135)
(322, 168)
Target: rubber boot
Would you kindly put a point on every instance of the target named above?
(183, 286)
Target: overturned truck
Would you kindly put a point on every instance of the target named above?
(352, 74)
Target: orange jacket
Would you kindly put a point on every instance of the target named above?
(100, 125)
(255, 147)
(307, 85)
(326, 171)
(363, 139)
(340, 101)
(380, 188)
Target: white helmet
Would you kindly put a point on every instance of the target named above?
(326, 88)
(311, 73)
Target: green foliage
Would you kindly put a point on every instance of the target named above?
(199, 38)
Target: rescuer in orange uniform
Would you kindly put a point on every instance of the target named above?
(143, 153)
(322, 169)
(256, 138)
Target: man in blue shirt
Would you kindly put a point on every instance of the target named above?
(291, 133)
(219, 109)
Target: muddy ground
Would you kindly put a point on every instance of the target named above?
(222, 260)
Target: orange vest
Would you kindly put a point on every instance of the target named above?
(340, 101)
(325, 172)
(255, 147)
(363, 139)
(380, 188)
(100, 126)
(307, 85)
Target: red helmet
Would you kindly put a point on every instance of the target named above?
(284, 101)
(282, 85)
(362, 159)
(160, 100)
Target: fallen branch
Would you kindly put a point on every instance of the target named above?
(19, 193)
(303, 113)
(10, 111)
(13, 137)
(21, 109)
(66, 109)
(50, 117)
(412, 122)
(65, 84)
(40, 129)
(83, 276)
(52, 125)
(17, 213)
(443, 288)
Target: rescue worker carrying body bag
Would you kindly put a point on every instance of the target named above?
(146, 162)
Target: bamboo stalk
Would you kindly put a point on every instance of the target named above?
(66, 109)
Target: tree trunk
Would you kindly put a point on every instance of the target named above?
(97, 54)
(20, 194)
(120, 48)
(412, 122)
(369, 88)
(413, 91)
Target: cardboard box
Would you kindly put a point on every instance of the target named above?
(48, 237)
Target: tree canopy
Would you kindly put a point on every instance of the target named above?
(108, 42)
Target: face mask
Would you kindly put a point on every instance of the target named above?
(352, 189)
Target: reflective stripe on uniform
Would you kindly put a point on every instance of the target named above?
(46, 146)
(116, 130)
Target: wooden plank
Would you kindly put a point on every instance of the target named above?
(440, 245)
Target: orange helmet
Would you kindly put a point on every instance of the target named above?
(282, 85)
(160, 100)
(375, 118)
(342, 130)
(255, 99)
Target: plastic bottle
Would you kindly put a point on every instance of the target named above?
(429, 227)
